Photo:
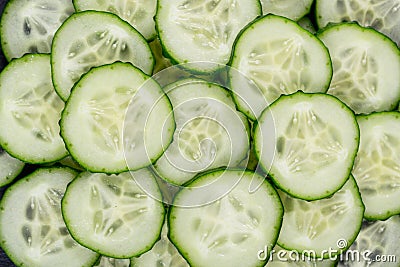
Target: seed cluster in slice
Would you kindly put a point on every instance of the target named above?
(32, 229)
(383, 16)
(229, 230)
(30, 111)
(92, 38)
(361, 57)
(276, 56)
(321, 226)
(122, 212)
(378, 241)
(210, 132)
(292, 9)
(124, 119)
(377, 165)
(139, 13)
(307, 143)
(29, 26)
(188, 37)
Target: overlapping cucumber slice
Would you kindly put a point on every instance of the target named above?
(32, 229)
(202, 31)
(366, 65)
(119, 216)
(124, 120)
(377, 168)
(307, 143)
(29, 26)
(30, 111)
(292, 9)
(376, 245)
(322, 228)
(210, 132)
(92, 38)
(220, 220)
(380, 15)
(139, 13)
(274, 56)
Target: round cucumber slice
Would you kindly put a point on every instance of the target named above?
(164, 254)
(117, 118)
(10, 167)
(377, 243)
(233, 223)
(210, 132)
(31, 110)
(92, 38)
(202, 31)
(114, 215)
(275, 56)
(383, 16)
(32, 230)
(292, 9)
(139, 13)
(307, 143)
(366, 67)
(323, 228)
(377, 168)
(28, 26)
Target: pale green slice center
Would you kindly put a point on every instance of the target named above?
(277, 67)
(308, 143)
(215, 32)
(44, 231)
(38, 111)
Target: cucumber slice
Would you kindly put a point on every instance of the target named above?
(164, 254)
(377, 243)
(292, 9)
(218, 220)
(31, 109)
(202, 31)
(139, 13)
(32, 231)
(323, 228)
(383, 16)
(377, 168)
(10, 167)
(210, 132)
(93, 38)
(302, 145)
(111, 262)
(366, 67)
(28, 26)
(275, 56)
(117, 118)
(115, 215)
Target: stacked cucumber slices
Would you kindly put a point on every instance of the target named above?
(200, 133)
